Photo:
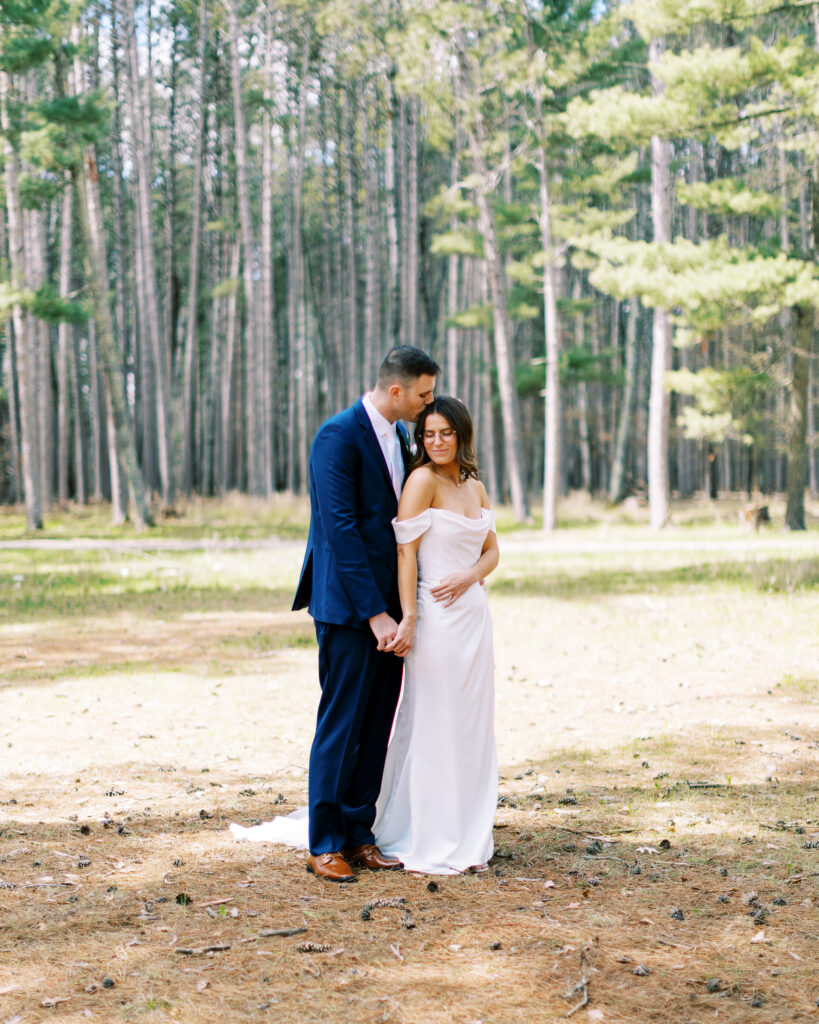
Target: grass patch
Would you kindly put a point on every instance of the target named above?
(804, 685)
(539, 576)
(236, 517)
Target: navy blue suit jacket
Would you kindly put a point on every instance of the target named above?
(350, 567)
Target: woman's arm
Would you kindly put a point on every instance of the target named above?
(416, 498)
(452, 587)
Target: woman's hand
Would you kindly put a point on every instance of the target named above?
(452, 587)
(401, 644)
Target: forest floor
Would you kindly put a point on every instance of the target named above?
(657, 836)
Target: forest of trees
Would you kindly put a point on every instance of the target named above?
(217, 215)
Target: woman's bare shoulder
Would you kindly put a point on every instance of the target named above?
(421, 478)
(480, 490)
(418, 493)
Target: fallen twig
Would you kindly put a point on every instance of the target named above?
(201, 951)
(674, 945)
(583, 987)
(285, 933)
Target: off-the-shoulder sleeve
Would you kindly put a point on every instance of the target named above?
(409, 530)
(493, 528)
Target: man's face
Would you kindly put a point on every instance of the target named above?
(410, 400)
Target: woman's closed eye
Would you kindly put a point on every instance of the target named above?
(445, 435)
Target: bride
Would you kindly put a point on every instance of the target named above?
(438, 795)
(439, 791)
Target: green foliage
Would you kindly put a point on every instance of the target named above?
(580, 364)
(461, 242)
(474, 317)
(48, 305)
(728, 196)
(45, 304)
(529, 379)
(227, 287)
(727, 403)
(37, 191)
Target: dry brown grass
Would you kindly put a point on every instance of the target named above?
(564, 898)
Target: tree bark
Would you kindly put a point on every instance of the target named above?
(372, 284)
(393, 290)
(86, 181)
(24, 334)
(659, 398)
(552, 447)
(267, 338)
(797, 472)
(505, 358)
(139, 111)
(191, 353)
(63, 349)
(254, 432)
(617, 486)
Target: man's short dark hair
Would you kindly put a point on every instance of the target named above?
(405, 364)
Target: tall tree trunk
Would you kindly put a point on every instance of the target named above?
(354, 375)
(504, 353)
(95, 405)
(24, 333)
(412, 234)
(170, 295)
(80, 446)
(226, 397)
(393, 299)
(617, 485)
(582, 401)
(333, 331)
(659, 399)
(299, 343)
(119, 489)
(10, 379)
(452, 276)
(63, 348)
(86, 181)
(38, 275)
(267, 339)
(139, 112)
(372, 278)
(797, 476)
(254, 432)
(552, 446)
(191, 354)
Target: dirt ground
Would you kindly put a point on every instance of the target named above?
(657, 836)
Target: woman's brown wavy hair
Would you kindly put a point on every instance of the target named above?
(457, 416)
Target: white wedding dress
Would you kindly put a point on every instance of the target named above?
(439, 792)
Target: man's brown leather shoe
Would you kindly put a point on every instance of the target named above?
(331, 866)
(369, 856)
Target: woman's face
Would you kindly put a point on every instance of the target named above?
(440, 440)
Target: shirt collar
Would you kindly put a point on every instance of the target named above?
(381, 425)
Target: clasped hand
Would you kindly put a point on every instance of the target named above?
(392, 636)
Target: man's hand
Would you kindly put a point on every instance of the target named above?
(402, 642)
(384, 628)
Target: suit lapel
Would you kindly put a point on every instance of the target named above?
(371, 442)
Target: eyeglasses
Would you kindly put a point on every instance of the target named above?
(445, 435)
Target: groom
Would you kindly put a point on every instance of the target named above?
(349, 585)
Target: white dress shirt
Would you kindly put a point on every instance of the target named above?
(387, 435)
